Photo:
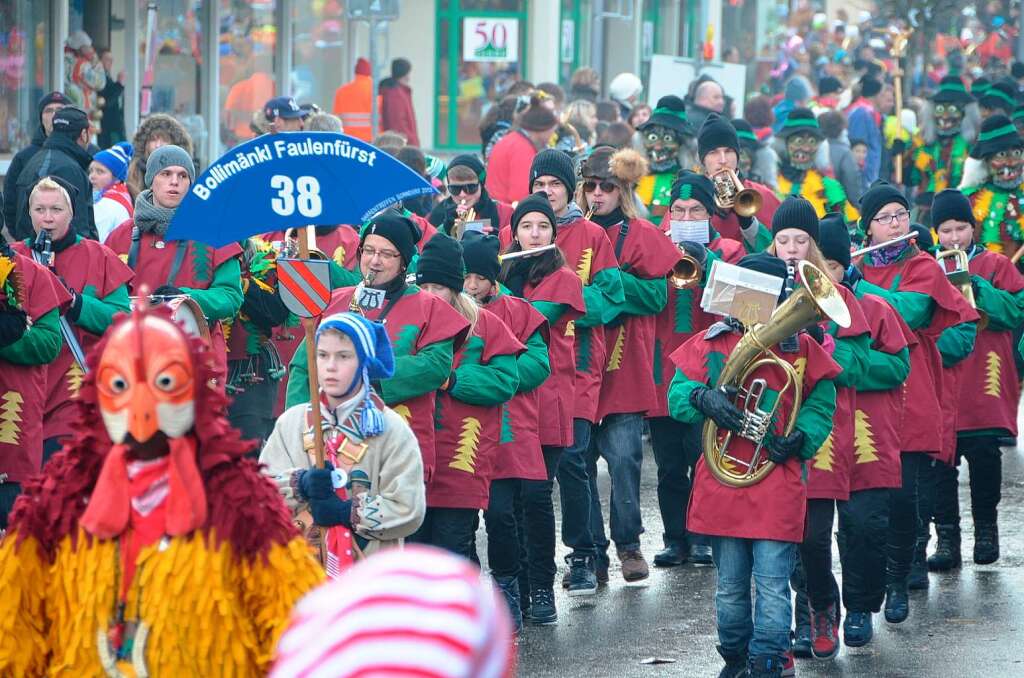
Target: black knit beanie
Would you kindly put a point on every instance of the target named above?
(693, 186)
(869, 86)
(554, 163)
(924, 241)
(402, 232)
(834, 239)
(796, 212)
(951, 204)
(441, 263)
(52, 98)
(880, 194)
(480, 254)
(470, 161)
(716, 132)
(538, 202)
(762, 262)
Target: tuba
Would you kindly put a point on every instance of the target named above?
(818, 298)
(960, 277)
(730, 194)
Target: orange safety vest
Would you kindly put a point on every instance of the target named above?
(353, 105)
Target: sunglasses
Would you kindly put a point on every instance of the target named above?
(606, 186)
(468, 189)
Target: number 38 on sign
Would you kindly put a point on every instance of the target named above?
(301, 193)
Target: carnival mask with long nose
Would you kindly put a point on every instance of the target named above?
(146, 381)
(948, 118)
(1005, 167)
(662, 146)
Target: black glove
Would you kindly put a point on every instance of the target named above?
(745, 221)
(898, 146)
(264, 308)
(317, 488)
(815, 332)
(782, 448)
(718, 404)
(13, 323)
(696, 250)
(167, 291)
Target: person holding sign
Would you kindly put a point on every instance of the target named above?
(212, 277)
(98, 284)
(373, 453)
(424, 330)
(468, 204)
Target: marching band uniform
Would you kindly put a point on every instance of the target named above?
(910, 281)
(645, 258)
(163, 553)
(989, 386)
(31, 299)
(677, 445)
(755, 529)
(423, 330)
(383, 500)
(97, 282)
(994, 184)
(875, 455)
(445, 213)
(557, 293)
(210, 276)
(467, 414)
(801, 134)
(828, 472)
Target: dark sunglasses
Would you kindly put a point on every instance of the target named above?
(456, 189)
(606, 186)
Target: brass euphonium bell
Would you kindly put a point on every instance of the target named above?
(818, 298)
(730, 194)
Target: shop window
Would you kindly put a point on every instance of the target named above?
(318, 47)
(24, 28)
(248, 35)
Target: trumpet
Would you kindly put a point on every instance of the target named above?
(459, 225)
(502, 258)
(730, 194)
(687, 272)
(960, 277)
(871, 248)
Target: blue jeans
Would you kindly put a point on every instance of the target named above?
(574, 491)
(766, 632)
(618, 439)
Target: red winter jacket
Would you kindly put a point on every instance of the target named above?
(397, 114)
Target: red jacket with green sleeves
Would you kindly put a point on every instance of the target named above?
(773, 508)
(876, 419)
(681, 318)
(23, 366)
(467, 415)
(989, 389)
(917, 289)
(728, 224)
(559, 297)
(588, 252)
(954, 346)
(828, 472)
(645, 257)
(212, 277)
(95, 272)
(424, 333)
(519, 454)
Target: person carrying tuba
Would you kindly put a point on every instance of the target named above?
(755, 528)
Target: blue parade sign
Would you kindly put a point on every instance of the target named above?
(279, 181)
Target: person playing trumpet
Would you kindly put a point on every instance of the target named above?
(97, 282)
(988, 389)
(719, 149)
(754, 529)
(467, 192)
(210, 276)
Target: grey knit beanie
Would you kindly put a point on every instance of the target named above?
(169, 156)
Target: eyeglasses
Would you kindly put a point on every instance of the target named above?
(696, 213)
(606, 186)
(886, 219)
(385, 255)
(468, 189)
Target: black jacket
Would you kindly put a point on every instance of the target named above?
(10, 181)
(112, 122)
(60, 157)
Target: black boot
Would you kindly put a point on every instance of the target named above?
(674, 554)
(986, 543)
(735, 663)
(947, 549)
(897, 603)
(765, 666)
(918, 579)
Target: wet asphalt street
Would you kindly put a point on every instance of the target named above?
(968, 623)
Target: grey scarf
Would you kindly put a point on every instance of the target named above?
(573, 214)
(150, 217)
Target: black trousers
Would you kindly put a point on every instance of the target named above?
(903, 519)
(863, 529)
(502, 529)
(815, 564)
(985, 463)
(8, 493)
(676, 451)
(536, 523)
(447, 528)
(251, 410)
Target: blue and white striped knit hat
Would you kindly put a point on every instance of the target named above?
(116, 159)
(376, 361)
